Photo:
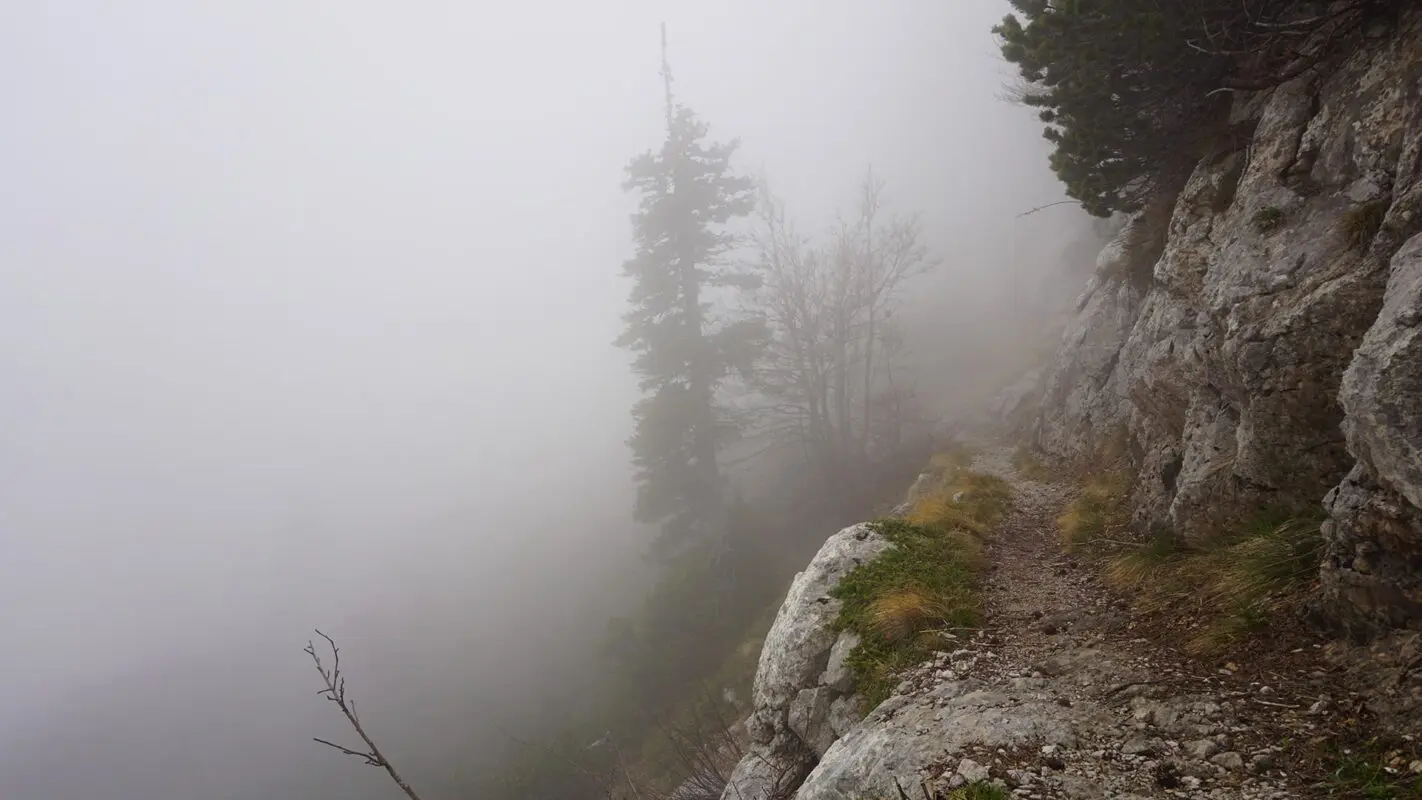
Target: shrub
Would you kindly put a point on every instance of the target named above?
(1362, 223)
(1268, 219)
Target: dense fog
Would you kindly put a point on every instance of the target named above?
(306, 320)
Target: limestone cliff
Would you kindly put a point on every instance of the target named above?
(1255, 337)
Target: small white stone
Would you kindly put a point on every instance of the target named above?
(972, 771)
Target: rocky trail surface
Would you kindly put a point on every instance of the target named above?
(1065, 695)
(1068, 692)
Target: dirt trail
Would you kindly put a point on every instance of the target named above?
(1160, 724)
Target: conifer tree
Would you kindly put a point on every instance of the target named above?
(1134, 92)
(688, 195)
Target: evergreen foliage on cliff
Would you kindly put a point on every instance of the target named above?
(1132, 91)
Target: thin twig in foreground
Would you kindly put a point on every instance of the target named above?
(335, 691)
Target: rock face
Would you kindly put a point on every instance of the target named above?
(1081, 394)
(1374, 568)
(892, 742)
(803, 697)
(1254, 341)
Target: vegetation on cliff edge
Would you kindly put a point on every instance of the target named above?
(1231, 583)
(1135, 93)
(903, 602)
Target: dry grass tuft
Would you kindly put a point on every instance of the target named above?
(1234, 584)
(963, 500)
(1111, 454)
(1098, 515)
(958, 456)
(1144, 566)
(939, 510)
(1229, 585)
(1256, 574)
(905, 613)
(1029, 465)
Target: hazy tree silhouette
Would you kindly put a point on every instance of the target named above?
(688, 194)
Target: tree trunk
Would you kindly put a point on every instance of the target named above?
(868, 385)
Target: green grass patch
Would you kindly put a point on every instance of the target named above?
(1372, 770)
(979, 790)
(926, 583)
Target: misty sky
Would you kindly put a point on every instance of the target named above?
(306, 313)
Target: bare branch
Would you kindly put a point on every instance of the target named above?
(335, 691)
(1029, 212)
(826, 375)
(370, 758)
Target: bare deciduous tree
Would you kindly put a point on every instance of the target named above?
(704, 745)
(825, 380)
(335, 691)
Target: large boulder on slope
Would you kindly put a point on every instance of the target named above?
(803, 697)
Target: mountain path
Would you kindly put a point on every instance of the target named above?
(1150, 720)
